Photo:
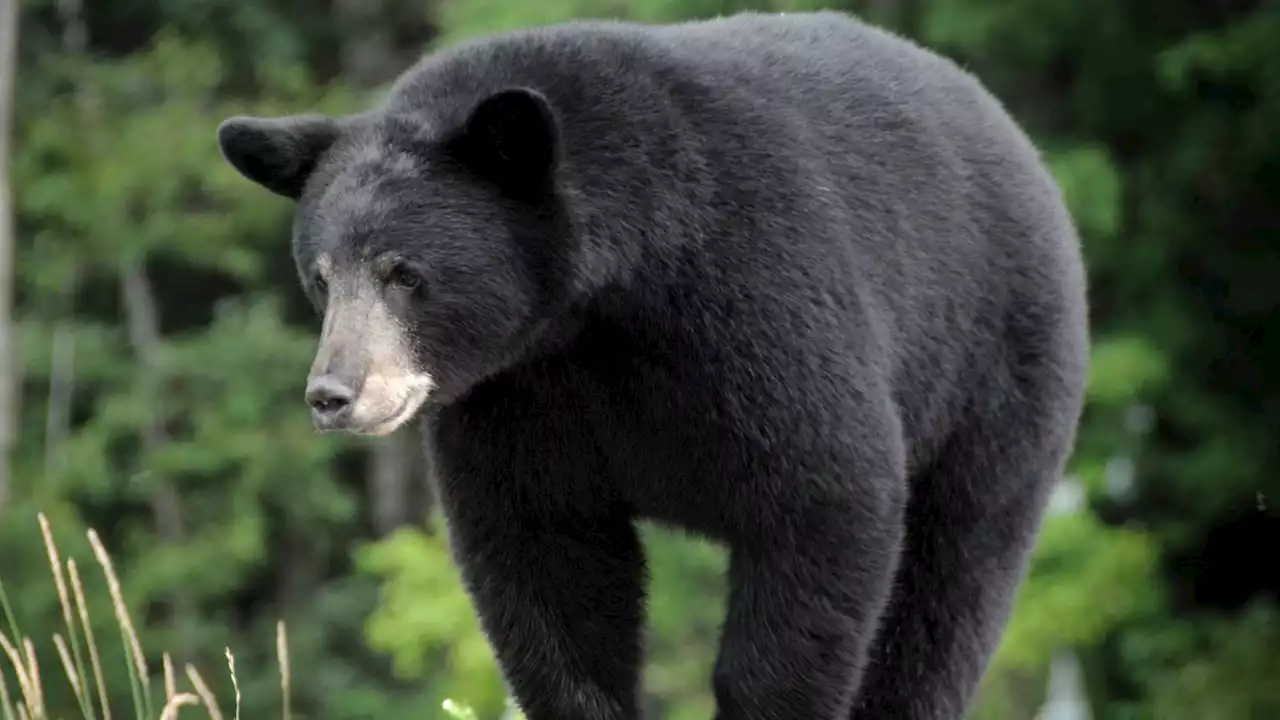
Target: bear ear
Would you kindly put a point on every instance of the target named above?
(277, 153)
(511, 137)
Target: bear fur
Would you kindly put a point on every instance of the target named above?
(788, 282)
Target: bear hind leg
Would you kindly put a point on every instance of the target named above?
(971, 523)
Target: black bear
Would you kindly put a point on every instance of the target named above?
(789, 282)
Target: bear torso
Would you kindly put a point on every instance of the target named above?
(774, 213)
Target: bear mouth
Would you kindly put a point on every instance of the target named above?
(394, 420)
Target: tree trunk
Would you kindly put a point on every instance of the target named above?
(166, 508)
(9, 358)
(144, 335)
(62, 362)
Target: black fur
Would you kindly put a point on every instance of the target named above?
(787, 282)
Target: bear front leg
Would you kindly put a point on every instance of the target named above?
(807, 591)
(561, 604)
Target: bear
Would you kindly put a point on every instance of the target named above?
(790, 283)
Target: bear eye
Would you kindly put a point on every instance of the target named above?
(401, 276)
(322, 285)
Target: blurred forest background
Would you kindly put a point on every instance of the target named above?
(153, 344)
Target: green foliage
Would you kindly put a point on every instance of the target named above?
(463, 20)
(117, 166)
(458, 711)
(1086, 580)
(1124, 367)
(1091, 186)
(686, 605)
(425, 611)
(425, 614)
(1215, 669)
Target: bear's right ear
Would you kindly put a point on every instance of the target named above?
(277, 153)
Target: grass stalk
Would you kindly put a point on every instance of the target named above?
(82, 609)
(282, 655)
(135, 661)
(76, 668)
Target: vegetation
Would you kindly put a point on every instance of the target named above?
(157, 344)
(90, 692)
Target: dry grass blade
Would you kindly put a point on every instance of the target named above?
(282, 654)
(33, 674)
(76, 666)
(235, 684)
(171, 705)
(206, 697)
(122, 610)
(68, 665)
(82, 608)
(19, 671)
(139, 678)
(170, 686)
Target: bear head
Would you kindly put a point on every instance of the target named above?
(429, 243)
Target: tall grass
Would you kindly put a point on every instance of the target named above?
(86, 678)
(27, 701)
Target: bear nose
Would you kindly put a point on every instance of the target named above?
(330, 399)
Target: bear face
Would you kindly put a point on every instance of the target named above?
(425, 248)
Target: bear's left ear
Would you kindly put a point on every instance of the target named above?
(511, 137)
(277, 153)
